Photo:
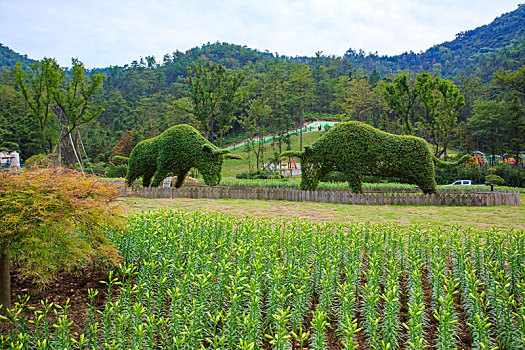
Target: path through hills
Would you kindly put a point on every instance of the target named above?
(309, 127)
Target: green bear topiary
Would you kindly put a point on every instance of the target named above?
(357, 149)
(174, 153)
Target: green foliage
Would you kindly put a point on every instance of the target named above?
(11, 146)
(494, 180)
(150, 95)
(215, 97)
(59, 102)
(334, 176)
(40, 161)
(380, 186)
(515, 81)
(9, 58)
(259, 174)
(116, 170)
(293, 283)
(401, 95)
(357, 149)
(513, 176)
(53, 219)
(174, 153)
(37, 86)
(119, 160)
(492, 122)
(427, 106)
(481, 51)
(105, 169)
(74, 98)
(441, 101)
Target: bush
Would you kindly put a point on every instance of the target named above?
(119, 160)
(116, 170)
(52, 220)
(357, 149)
(105, 169)
(98, 168)
(41, 161)
(334, 176)
(259, 175)
(174, 153)
(494, 180)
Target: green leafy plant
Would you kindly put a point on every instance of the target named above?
(51, 220)
(494, 180)
(40, 161)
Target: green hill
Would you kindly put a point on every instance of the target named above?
(499, 45)
(9, 58)
(232, 167)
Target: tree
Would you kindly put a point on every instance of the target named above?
(513, 80)
(124, 145)
(52, 220)
(400, 95)
(252, 123)
(441, 102)
(451, 102)
(487, 124)
(152, 115)
(426, 105)
(213, 92)
(300, 88)
(15, 127)
(274, 95)
(60, 102)
(73, 100)
(360, 102)
(37, 86)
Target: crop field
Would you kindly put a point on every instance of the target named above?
(212, 281)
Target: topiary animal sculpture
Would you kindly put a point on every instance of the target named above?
(357, 149)
(174, 153)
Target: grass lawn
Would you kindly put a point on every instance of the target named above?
(476, 217)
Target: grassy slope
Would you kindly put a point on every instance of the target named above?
(231, 167)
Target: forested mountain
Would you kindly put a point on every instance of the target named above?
(276, 93)
(9, 58)
(499, 45)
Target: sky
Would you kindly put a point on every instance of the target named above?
(115, 32)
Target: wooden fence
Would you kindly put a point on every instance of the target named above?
(452, 198)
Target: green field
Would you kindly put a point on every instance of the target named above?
(475, 217)
(213, 281)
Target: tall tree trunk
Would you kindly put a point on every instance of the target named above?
(5, 281)
(301, 130)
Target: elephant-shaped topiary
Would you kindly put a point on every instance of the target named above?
(358, 149)
(174, 153)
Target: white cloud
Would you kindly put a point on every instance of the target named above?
(103, 33)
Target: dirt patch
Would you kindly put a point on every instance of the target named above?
(72, 286)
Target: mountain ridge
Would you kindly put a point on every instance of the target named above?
(499, 45)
